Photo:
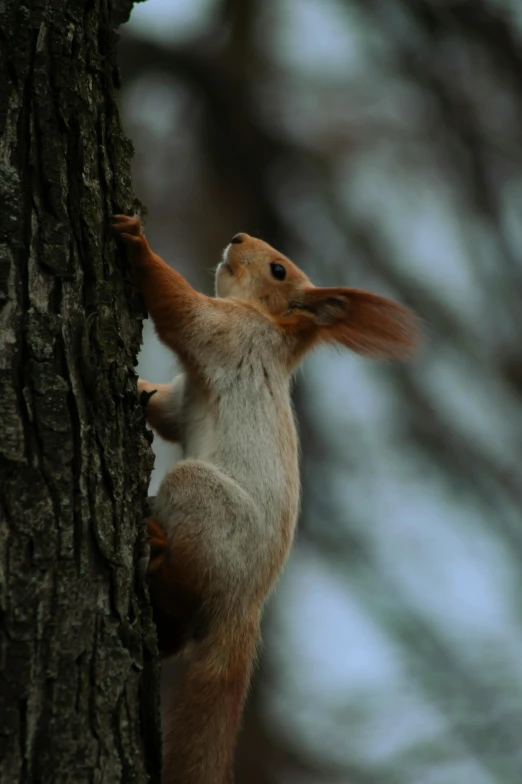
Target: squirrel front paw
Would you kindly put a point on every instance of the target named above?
(145, 391)
(127, 227)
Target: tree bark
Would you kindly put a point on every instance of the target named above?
(79, 695)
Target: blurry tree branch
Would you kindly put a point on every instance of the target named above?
(465, 144)
(263, 754)
(431, 663)
(239, 148)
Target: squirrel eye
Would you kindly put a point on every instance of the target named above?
(278, 271)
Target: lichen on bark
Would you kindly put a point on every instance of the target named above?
(78, 678)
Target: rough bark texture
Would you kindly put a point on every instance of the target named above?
(78, 684)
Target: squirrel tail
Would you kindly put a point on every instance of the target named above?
(206, 706)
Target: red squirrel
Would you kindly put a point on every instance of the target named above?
(224, 516)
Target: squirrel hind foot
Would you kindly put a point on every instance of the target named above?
(178, 613)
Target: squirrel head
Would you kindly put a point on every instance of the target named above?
(253, 271)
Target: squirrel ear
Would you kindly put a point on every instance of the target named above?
(361, 321)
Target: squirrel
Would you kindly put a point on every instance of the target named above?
(224, 517)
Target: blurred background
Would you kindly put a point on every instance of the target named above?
(378, 144)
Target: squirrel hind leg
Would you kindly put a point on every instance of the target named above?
(177, 611)
(175, 632)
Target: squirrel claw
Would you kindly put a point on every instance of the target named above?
(146, 396)
(127, 226)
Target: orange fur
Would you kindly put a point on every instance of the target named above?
(205, 714)
(225, 516)
(170, 300)
(359, 320)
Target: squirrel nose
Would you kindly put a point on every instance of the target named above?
(237, 238)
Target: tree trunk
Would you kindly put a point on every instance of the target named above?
(79, 697)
